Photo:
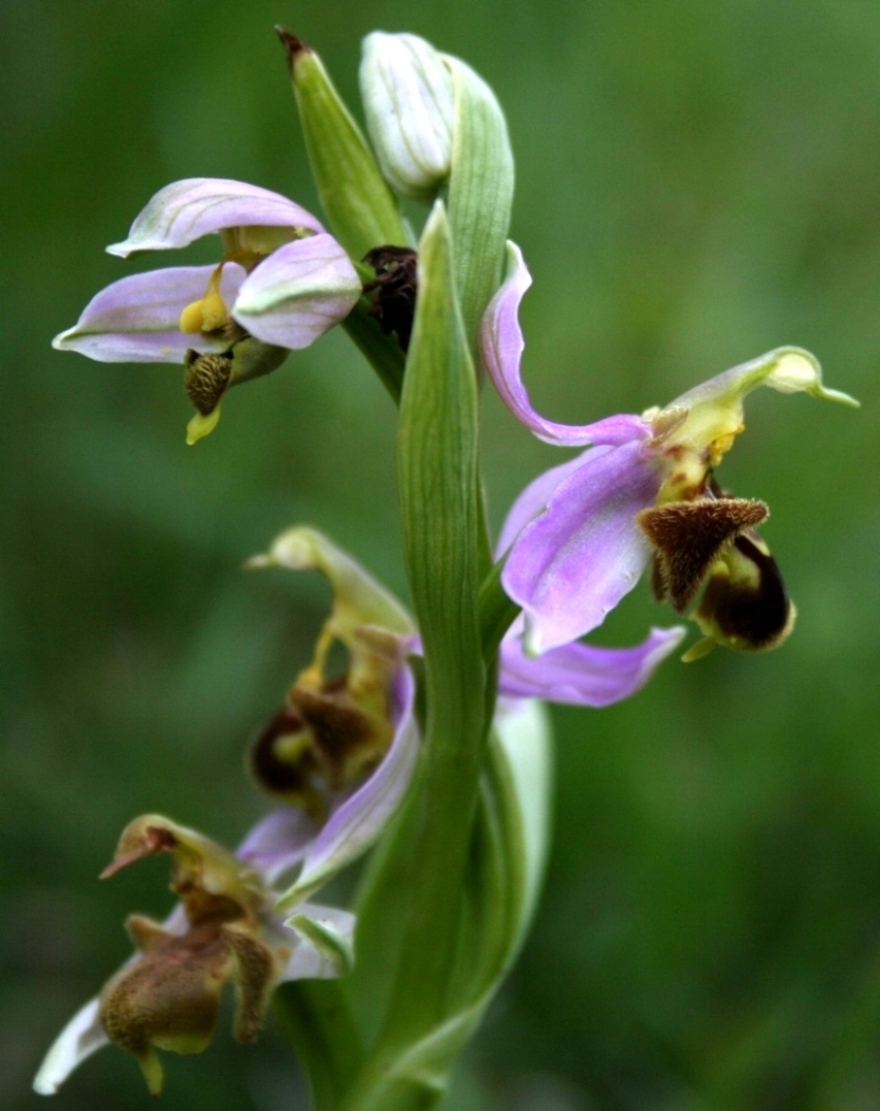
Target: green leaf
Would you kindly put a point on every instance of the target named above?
(437, 452)
(480, 193)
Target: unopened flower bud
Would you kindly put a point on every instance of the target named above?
(409, 102)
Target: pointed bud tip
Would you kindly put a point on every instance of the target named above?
(841, 397)
(294, 46)
(796, 369)
(117, 865)
(119, 250)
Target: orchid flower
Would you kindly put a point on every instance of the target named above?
(342, 749)
(343, 753)
(281, 283)
(224, 930)
(581, 535)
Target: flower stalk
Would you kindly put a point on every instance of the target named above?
(439, 480)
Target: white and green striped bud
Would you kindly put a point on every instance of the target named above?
(437, 128)
(409, 103)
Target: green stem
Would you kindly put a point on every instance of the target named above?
(318, 1021)
(381, 351)
(497, 612)
(439, 490)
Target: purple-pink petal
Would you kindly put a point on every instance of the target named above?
(532, 502)
(583, 674)
(278, 842)
(136, 320)
(572, 565)
(186, 210)
(502, 344)
(299, 292)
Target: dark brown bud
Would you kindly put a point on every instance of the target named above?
(291, 44)
(394, 290)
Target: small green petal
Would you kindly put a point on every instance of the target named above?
(787, 369)
(712, 413)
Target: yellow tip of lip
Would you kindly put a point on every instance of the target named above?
(201, 426)
(697, 651)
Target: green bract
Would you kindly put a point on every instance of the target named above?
(361, 208)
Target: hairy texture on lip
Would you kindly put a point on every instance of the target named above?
(689, 536)
(205, 379)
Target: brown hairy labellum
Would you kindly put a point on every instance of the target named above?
(689, 537)
(319, 743)
(206, 378)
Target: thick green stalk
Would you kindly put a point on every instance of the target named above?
(497, 612)
(438, 475)
(317, 1018)
(382, 351)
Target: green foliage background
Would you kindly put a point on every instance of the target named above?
(698, 182)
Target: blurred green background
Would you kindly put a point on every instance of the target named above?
(698, 182)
